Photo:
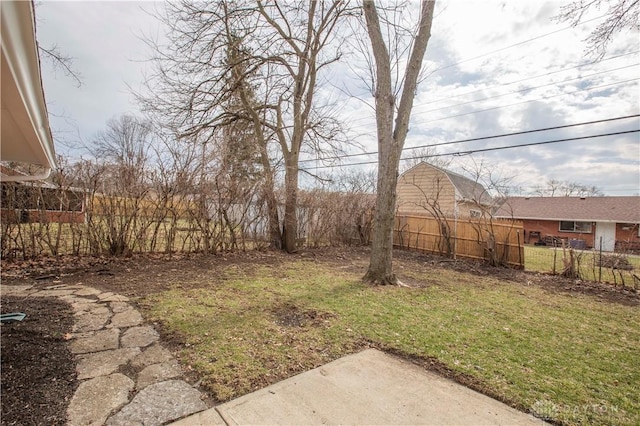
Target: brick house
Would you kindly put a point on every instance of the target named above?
(426, 189)
(39, 202)
(580, 221)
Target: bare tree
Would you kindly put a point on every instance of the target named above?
(493, 189)
(118, 183)
(391, 136)
(620, 15)
(424, 154)
(273, 53)
(558, 188)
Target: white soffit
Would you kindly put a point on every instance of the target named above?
(25, 134)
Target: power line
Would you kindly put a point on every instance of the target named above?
(527, 89)
(473, 151)
(514, 45)
(515, 82)
(523, 132)
(524, 102)
(532, 100)
(499, 148)
(527, 78)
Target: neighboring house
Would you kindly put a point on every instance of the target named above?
(580, 221)
(39, 202)
(427, 189)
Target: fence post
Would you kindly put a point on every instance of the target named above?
(600, 262)
(455, 235)
(555, 254)
(519, 250)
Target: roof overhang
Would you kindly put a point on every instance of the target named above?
(556, 219)
(25, 134)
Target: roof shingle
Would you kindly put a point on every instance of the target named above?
(588, 209)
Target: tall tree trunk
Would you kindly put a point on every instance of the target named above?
(391, 138)
(290, 230)
(273, 221)
(380, 267)
(273, 217)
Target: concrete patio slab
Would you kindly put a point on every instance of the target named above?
(371, 388)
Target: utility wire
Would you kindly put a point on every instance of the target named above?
(513, 45)
(499, 148)
(416, 106)
(531, 100)
(519, 44)
(524, 79)
(524, 132)
(473, 151)
(522, 102)
(526, 89)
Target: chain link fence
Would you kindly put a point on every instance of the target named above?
(617, 268)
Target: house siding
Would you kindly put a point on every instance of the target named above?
(548, 228)
(423, 186)
(627, 238)
(464, 210)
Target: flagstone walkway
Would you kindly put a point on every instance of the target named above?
(126, 376)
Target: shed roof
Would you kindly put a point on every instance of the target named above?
(587, 209)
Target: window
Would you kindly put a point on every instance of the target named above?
(570, 226)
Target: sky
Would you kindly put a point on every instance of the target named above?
(491, 68)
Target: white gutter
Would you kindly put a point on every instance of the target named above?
(563, 220)
(27, 178)
(26, 135)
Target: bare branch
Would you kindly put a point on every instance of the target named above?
(60, 61)
(620, 15)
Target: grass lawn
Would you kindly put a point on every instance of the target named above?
(541, 259)
(570, 357)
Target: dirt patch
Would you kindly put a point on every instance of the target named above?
(38, 371)
(289, 315)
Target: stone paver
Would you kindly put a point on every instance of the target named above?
(53, 293)
(99, 341)
(139, 336)
(81, 304)
(154, 354)
(108, 334)
(99, 310)
(91, 320)
(158, 372)
(95, 399)
(116, 298)
(104, 363)
(160, 403)
(87, 291)
(104, 295)
(110, 297)
(128, 318)
(118, 307)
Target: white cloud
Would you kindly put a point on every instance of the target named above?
(483, 56)
(103, 38)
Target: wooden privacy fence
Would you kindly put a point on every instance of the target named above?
(498, 242)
